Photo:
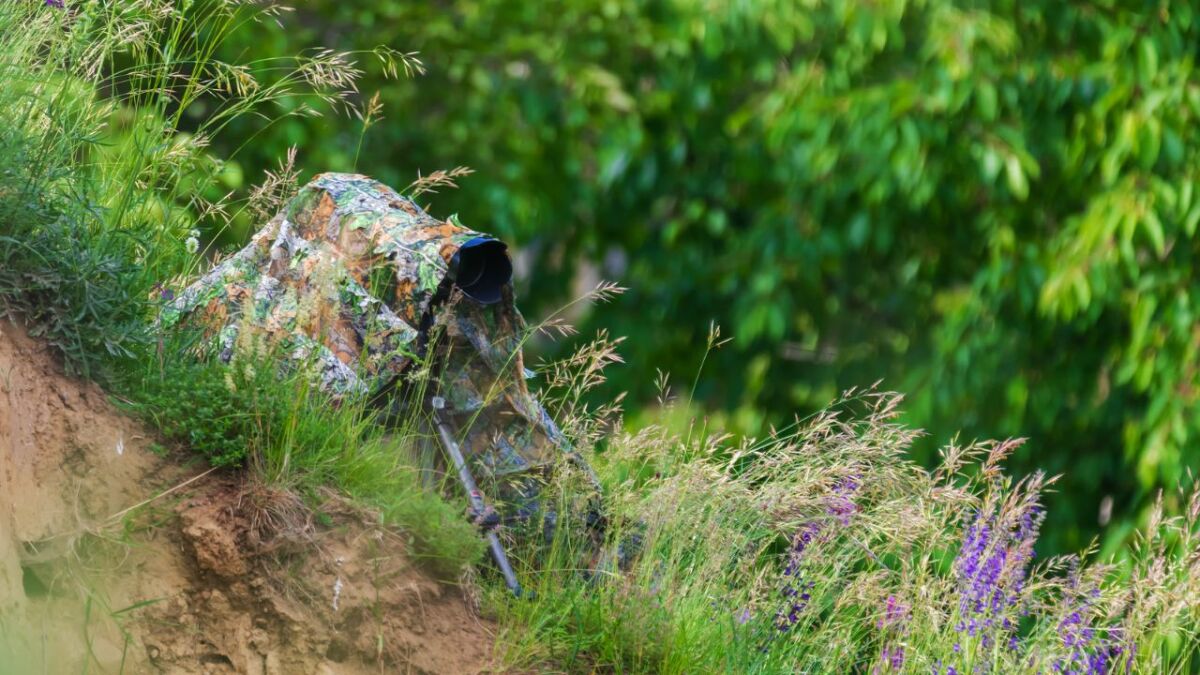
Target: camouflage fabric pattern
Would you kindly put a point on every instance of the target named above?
(494, 411)
(350, 280)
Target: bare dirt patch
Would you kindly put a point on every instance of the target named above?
(216, 576)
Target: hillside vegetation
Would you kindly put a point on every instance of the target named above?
(817, 543)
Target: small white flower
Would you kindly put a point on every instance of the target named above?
(192, 244)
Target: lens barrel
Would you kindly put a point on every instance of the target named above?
(481, 268)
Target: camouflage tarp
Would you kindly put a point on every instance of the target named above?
(353, 279)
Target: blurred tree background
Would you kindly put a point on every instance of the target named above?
(992, 206)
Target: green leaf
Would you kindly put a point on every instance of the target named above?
(1147, 60)
(1154, 230)
(1017, 183)
(985, 99)
(1189, 223)
(990, 163)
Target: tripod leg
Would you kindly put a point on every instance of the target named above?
(473, 495)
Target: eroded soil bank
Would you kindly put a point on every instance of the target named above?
(113, 559)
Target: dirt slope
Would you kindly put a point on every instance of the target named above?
(215, 576)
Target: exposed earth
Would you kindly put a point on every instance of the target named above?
(116, 559)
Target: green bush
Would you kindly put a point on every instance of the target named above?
(191, 403)
(78, 292)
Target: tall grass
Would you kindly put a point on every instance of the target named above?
(299, 441)
(103, 179)
(823, 548)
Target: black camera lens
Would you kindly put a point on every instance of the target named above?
(481, 268)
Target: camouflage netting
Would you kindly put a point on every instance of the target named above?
(356, 282)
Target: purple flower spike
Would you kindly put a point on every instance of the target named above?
(57, 4)
(1088, 652)
(991, 568)
(894, 614)
(893, 658)
(795, 589)
(841, 504)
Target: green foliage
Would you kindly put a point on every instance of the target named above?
(990, 204)
(191, 403)
(80, 293)
(74, 281)
(292, 436)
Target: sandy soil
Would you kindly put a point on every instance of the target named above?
(100, 571)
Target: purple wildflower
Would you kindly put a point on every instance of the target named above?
(798, 594)
(800, 543)
(1087, 651)
(841, 504)
(892, 658)
(796, 590)
(894, 613)
(894, 623)
(991, 568)
(937, 669)
(57, 4)
(164, 293)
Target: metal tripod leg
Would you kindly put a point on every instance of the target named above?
(473, 493)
